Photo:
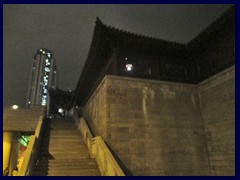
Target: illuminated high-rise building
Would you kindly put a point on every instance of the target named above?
(43, 76)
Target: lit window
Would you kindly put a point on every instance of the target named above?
(47, 69)
(129, 67)
(24, 140)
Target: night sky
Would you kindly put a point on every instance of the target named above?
(67, 31)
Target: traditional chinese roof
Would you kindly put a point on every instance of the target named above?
(226, 20)
(137, 42)
(106, 39)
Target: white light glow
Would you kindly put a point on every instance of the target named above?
(129, 67)
(60, 110)
(43, 52)
(29, 102)
(15, 107)
(47, 69)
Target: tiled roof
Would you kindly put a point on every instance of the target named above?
(118, 34)
(216, 26)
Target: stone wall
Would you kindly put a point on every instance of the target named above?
(162, 128)
(217, 96)
(153, 127)
(95, 111)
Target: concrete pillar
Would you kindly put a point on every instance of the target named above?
(7, 144)
(14, 153)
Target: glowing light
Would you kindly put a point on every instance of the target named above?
(15, 107)
(47, 69)
(129, 67)
(125, 58)
(25, 140)
(29, 102)
(44, 100)
(43, 52)
(60, 110)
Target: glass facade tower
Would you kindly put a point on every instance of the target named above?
(43, 76)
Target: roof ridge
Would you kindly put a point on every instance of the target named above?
(217, 22)
(99, 22)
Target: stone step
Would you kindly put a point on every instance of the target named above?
(76, 172)
(63, 152)
(69, 155)
(53, 161)
(64, 127)
(79, 156)
(68, 166)
(61, 145)
(66, 171)
(71, 138)
(64, 163)
(64, 141)
(60, 155)
(67, 148)
(64, 136)
(62, 122)
(64, 132)
(72, 173)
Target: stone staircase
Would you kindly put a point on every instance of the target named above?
(62, 152)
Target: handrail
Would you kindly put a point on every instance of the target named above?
(31, 151)
(107, 164)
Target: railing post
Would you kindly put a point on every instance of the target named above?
(99, 150)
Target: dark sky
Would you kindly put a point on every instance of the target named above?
(67, 30)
